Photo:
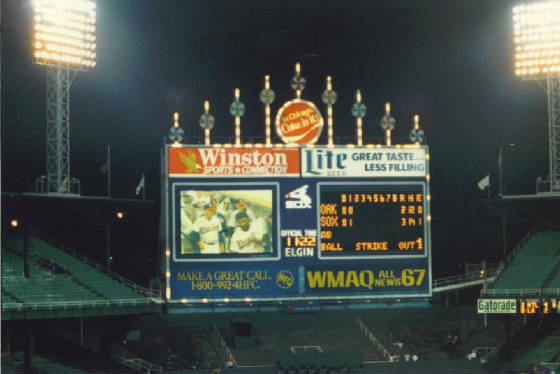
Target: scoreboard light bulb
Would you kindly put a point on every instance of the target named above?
(226, 300)
(388, 108)
(205, 300)
(14, 223)
(247, 299)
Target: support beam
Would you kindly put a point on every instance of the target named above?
(59, 80)
(108, 238)
(29, 345)
(553, 94)
(504, 236)
(26, 250)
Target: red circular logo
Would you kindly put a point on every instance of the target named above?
(299, 121)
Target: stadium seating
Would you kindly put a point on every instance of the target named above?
(554, 281)
(545, 350)
(533, 264)
(276, 341)
(39, 363)
(57, 277)
(100, 283)
(425, 332)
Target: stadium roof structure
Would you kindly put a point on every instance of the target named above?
(64, 208)
(543, 206)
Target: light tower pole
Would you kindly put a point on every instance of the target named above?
(58, 129)
(63, 41)
(536, 30)
(553, 94)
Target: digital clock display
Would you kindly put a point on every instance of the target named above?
(376, 219)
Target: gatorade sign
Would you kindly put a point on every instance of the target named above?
(299, 122)
(490, 306)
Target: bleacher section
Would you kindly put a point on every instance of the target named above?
(60, 281)
(554, 281)
(39, 363)
(533, 268)
(273, 342)
(546, 350)
(416, 333)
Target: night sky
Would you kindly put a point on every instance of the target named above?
(448, 60)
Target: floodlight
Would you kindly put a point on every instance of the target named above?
(536, 36)
(64, 41)
(64, 33)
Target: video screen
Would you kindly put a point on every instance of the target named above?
(226, 222)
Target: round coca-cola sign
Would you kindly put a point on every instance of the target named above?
(299, 122)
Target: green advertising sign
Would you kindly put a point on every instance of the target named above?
(489, 306)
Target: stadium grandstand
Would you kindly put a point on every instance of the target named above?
(532, 268)
(56, 300)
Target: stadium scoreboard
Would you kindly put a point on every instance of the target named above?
(528, 305)
(287, 223)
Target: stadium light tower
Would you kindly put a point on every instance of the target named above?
(63, 41)
(536, 28)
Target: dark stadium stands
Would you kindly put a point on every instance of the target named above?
(58, 280)
(429, 334)
(276, 341)
(170, 348)
(40, 364)
(534, 267)
(545, 350)
(62, 286)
